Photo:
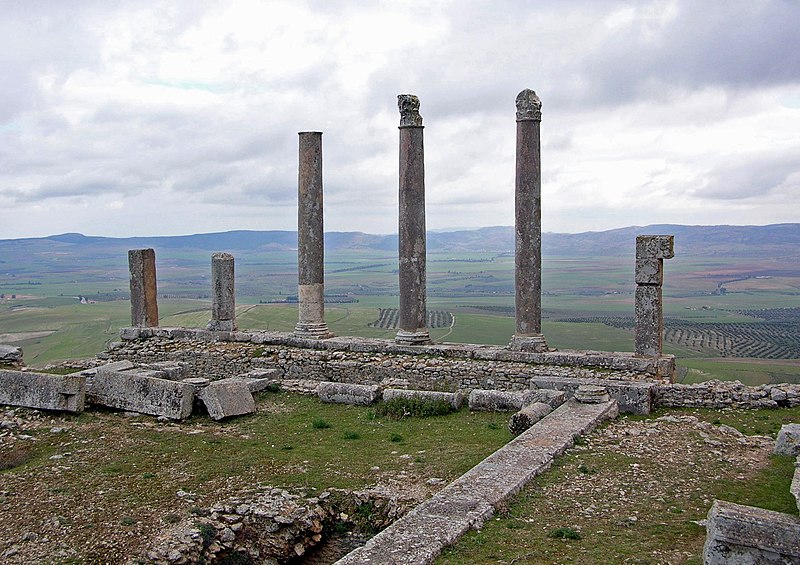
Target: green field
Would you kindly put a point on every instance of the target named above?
(587, 304)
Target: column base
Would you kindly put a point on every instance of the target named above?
(312, 330)
(419, 337)
(533, 342)
(221, 326)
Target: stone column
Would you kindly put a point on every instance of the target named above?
(223, 306)
(651, 250)
(413, 314)
(144, 294)
(310, 240)
(528, 226)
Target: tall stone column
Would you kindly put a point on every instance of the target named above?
(144, 293)
(651, 250)
(223, 305)
(413, 314)
(528, 226)
(310, 240)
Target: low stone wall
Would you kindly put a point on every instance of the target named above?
(445, 367)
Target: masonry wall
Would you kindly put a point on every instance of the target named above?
(451, 367)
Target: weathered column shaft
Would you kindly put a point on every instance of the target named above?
(144, 292)
(651, 250)
(412, 252)
(310, 239)
(223, 306)
(528, 224)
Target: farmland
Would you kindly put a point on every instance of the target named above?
(731, 315)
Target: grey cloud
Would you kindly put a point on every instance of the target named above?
(749, 176)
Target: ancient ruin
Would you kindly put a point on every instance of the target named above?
(310, 240)
(413, 313)
(551, 396)
(144, 293)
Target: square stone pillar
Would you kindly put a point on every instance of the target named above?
(651, 250)
(144, 293)
(310, 240)
(413, 313)
(528, 226)
(223, 291)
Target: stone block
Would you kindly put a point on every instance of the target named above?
(795, 487)
(632, 396)
(10, 355)
(747, 535)
(114, 367)
(591, 394)
(226, 398)
(43, 391)
(144, 292)
(788, 442)
(347, 393)
(498, 400)
(454, 399)
(528, 416)
(651, 250)
(146, 395)
(649, 321)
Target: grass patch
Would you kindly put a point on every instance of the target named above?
(351, 435)
(399, 408)
(564, 533)
(320, 424)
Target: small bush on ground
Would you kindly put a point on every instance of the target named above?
(399, 408)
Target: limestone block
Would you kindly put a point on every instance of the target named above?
(591, 394)
(795, 488)
(43, 391)
(528, 416)
(788, 442)
(143, 285)
(651, 250)
(347, 393)
(747, 535)
(649, 322)
(498, 400)
(632, 396)
(454, 399)
(226, 398)
(146, 395)
(10, 355)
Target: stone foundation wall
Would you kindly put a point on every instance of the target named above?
(446, 367)
(216, 355)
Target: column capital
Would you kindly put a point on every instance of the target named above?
(408, 105)
(529, 107)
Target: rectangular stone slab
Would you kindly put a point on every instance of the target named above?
(43, 391)
(744, 534)
(146, 395)
(226, 398)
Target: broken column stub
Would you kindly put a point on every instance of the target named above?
(43, 391)
(223, 293)
(144, 292)
(413, 314)
(528, 226)
(651, 250)
(310, 240)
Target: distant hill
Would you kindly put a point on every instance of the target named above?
(778, 240)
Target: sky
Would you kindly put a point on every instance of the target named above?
(135, 118)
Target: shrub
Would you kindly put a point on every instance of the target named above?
(398, 408)
(564, 533)
(273, 387)
(207, 532)
(319, 424)
(396, 438)
(352, 435)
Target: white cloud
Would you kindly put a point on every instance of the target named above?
(165, 118)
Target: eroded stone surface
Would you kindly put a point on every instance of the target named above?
(226, 398)
(144, 394)
(737, 534)
(527, 416)
(44, 391)
(10, 355)
(788, 442)
(454, 399)
(223, 293)
(144, 292)
(347, 393)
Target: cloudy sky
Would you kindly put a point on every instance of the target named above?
(131, 118)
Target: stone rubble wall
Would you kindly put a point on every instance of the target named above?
(447, 367)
